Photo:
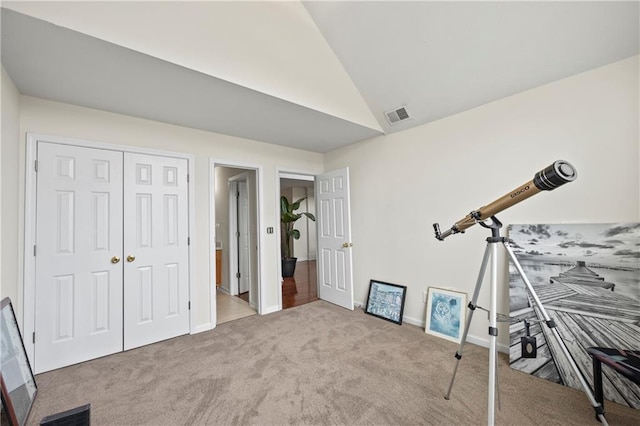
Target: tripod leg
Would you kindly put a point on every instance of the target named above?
(551, 324)
(472, 307)
(497, 385)
(493, 335)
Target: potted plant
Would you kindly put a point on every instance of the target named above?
(288, 218)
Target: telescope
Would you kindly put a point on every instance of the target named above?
(547, 179)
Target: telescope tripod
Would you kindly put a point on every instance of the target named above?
(491, 251)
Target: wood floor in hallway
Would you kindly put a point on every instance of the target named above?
(302, 287)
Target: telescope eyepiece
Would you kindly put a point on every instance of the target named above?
(557, 174)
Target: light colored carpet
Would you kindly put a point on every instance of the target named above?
(315, 364)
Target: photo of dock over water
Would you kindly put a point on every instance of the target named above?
(587, 277)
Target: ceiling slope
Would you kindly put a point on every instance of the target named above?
(442, 58)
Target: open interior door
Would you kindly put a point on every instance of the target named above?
(334, 238)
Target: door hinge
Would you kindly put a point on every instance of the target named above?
(188, 241)
(33, 337)
(189, 305)
(35, 166)
(34, 251)
(237, 274)
(187, 177)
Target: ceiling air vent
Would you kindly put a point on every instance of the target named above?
(397, 115)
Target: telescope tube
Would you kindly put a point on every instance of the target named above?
(547, 179)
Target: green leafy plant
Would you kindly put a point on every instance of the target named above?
(288, 217)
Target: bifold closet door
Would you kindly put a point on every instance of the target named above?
(78, 288)
(111, 254)
(156, 274)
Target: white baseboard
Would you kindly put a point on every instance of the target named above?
(270, 310)
(413, 321)
(484, 342)
(202, 327)
(306, 258)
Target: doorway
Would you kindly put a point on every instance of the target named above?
(236, 238)
(302, 287)
(334, 271)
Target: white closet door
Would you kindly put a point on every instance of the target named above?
(78, 284)
(156, 290)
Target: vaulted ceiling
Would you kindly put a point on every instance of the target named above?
(313, 75)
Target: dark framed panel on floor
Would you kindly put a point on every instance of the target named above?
(386, 301)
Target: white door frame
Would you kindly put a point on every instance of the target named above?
(213, 162)
(30, 221)
(286, 173)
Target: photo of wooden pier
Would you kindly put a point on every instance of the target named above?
(587, 278)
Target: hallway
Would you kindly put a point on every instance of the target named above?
(297, 290)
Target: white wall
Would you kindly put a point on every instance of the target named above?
(9, 190)
(52, 118)
(403, 183)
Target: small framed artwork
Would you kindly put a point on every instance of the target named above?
(386, 301)
(446, 311)
(18, 387)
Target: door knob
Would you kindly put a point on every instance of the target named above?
(347, 245)
(131, 258)
(115, 259)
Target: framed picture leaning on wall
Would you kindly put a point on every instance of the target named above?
(386, 300)
(446, 311)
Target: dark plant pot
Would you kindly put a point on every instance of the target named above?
(288, 266)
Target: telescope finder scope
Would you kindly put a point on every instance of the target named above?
(547, 179)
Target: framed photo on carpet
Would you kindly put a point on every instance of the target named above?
(17, 384)
(446, 311)
(386, 301)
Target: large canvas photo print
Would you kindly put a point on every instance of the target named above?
(587, 278)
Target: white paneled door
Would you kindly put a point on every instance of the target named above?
(334, 238)
(156, 293)
(78, 313)
(243, 238)
(111, 252)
